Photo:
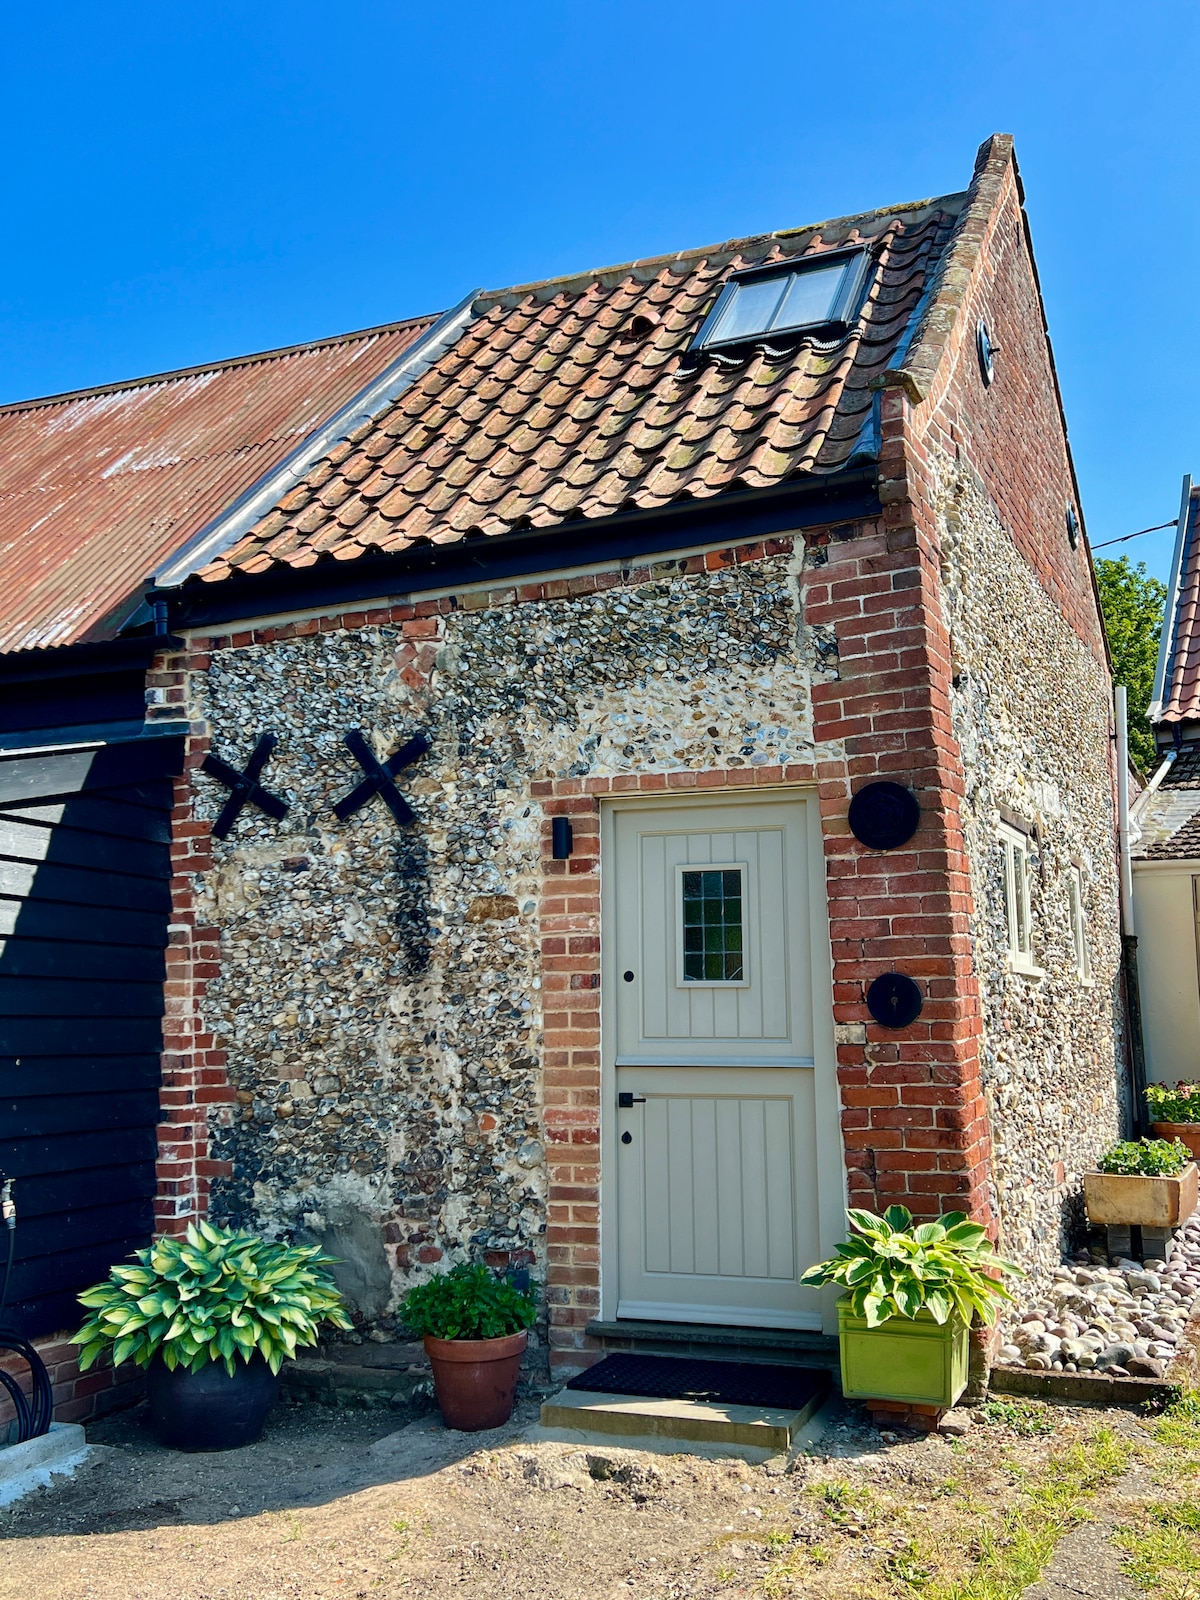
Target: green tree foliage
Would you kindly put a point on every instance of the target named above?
(1133, 603)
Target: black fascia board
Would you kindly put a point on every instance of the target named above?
(628, 535)
(74, 660)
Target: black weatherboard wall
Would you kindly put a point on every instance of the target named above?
(84, 907)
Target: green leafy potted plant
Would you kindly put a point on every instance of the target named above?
(911, 1295)
(475, 1327)
(1175, 1113)
(211, 1317)
(1147, 1183)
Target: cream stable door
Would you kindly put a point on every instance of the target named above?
(711, 1033)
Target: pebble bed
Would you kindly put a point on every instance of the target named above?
(1125, 1319)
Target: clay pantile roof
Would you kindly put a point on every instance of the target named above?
(576, 398)
(1180, 690)
(99, 487)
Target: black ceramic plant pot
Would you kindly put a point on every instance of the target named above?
(209, 1410)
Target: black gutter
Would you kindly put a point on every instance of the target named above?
(848, 497)
(69, 660)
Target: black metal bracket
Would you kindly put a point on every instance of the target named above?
(244, 787)
(627, 1100)
(379, 777)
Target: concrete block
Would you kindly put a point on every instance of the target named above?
(32, 1465)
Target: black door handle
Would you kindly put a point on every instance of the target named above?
(626, 1102)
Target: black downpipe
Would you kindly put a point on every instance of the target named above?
(1137, 1046)
(35, 1410)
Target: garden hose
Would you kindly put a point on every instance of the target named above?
(35, 1410)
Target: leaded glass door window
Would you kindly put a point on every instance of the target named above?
(712, 924)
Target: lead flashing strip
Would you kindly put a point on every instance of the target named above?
(226, 529)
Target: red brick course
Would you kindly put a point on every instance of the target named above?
(78, 1397)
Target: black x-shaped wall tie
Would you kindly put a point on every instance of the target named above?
(379, 777)
(244, 787)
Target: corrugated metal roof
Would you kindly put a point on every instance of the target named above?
(99, 487)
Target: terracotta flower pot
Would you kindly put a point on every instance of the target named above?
(1189, 1132)
(476, 1379)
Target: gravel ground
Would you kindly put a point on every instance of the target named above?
(331, 1504)
(1126, 1319)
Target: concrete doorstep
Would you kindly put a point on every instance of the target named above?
(29, 1466)
(704, 1427)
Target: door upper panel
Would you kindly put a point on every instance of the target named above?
(712, 922)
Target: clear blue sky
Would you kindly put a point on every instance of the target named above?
(184, 182)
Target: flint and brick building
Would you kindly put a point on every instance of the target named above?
(539, 931)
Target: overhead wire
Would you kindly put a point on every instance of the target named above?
(1125, 537)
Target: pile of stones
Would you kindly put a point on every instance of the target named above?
(1125, 1319)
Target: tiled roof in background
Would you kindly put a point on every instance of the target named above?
(1181, 685)
(99, 487)
(1168, 825)
(575, 398)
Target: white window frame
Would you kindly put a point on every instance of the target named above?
(1079, 926)
(1018, 913)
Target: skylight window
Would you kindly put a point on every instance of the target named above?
(819, 292)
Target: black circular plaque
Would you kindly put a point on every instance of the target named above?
(884, 815)
(894, 1000)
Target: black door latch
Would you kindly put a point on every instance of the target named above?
(626, 1102)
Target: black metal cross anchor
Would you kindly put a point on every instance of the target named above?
(379, 776)
(244, 786)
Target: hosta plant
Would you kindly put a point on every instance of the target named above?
(213, 1295)
(1146, 1158)
(889, 1268)
(1178, 1104)
(468, 1302)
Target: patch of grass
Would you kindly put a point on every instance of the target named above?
(1024, 1417)
(844, 1503)
(1010, 1554)
(1162, 1554)
(1179, 1426)
(975, 1547)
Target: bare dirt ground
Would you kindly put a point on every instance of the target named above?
(342, 1503)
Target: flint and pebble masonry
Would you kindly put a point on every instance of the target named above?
(390, 1040)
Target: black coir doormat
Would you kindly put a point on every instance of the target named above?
(731, 1383)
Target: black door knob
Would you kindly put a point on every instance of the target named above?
(628, 976)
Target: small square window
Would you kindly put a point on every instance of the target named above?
(1079, 930)
(816, 292)
(712, 921)
(1014, 846)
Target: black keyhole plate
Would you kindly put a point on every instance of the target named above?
(626, 1138)
(894, 1000)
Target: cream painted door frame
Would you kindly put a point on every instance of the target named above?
(729, 1077)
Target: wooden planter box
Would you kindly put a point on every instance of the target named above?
(1127, 1200)
(1189, 1132)
(915, 1359)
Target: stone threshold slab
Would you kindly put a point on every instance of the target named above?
(753, 1433)
(715, 1341)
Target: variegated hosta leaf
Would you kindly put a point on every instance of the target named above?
(213, 1295)
(891, 1268)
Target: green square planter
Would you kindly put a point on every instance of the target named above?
(916, 1360)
